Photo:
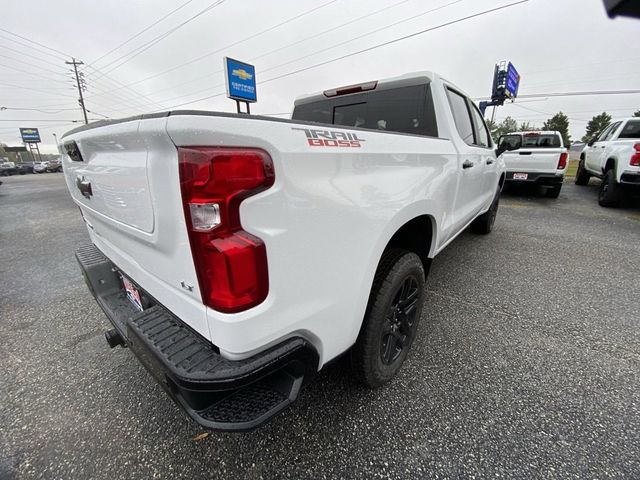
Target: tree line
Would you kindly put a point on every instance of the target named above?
(559, 122)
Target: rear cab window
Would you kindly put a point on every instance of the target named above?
(406, 109)
(631, 130)
(516, 141)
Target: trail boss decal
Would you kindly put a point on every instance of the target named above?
(331, 138)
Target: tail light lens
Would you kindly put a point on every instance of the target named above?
(562, 163)
(635, 158)
(231, 264)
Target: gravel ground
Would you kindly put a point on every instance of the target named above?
(527, 363)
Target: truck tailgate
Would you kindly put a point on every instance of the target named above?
(533, 159)
(124, 176)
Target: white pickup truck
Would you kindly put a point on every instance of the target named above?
(237, 255)
(613, 156)
(536, 157)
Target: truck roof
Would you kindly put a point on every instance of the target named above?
(406, 80)
(534, 132)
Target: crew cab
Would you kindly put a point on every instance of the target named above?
(535, 157)
(236, 255)
(613, 156)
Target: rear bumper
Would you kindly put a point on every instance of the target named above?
(538, 178)
(630, 178)
(217, 393)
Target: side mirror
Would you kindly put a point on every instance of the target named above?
(592, 141)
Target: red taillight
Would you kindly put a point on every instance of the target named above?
(562, 163)
(231, 264)
(635, 158)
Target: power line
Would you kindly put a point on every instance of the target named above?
(412, 17)
(368, 49)
(128, 87)
(572, 94)
(32, 73)
(159, 38)
(51, 112)
(99, 114)
(273, 27)
(38, 90)
(279, 49)
(34, 42)
(25, 54)
(32, 65)
(38, 120)
(142, 31)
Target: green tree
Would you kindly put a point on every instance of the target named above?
(507, 125)
(560, 123)
(596, 125)
(526, 127)
(636, 113)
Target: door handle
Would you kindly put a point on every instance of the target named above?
(489, 161)
(467, 164)
(602, 146)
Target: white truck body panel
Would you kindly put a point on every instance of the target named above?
(535, 160)
(610, 147)
(325, 222)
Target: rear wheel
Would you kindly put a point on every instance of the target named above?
(553, 192)
(610, 193)
(391, 319)
(582, 176)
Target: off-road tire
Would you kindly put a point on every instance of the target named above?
(369, 362)
(610, 193)
(582, 176)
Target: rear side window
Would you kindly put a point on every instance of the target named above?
(403, 110)
(483, 137)
(631, 129)
(461, 116)
(544, 140)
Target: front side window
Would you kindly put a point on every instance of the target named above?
(612, 132)
(461, 116)
(604, 133)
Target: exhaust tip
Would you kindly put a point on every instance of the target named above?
(113, 338)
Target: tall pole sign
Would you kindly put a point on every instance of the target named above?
(31, 138)
(240, 79)
(506, 82)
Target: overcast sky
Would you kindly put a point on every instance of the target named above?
(557, 46)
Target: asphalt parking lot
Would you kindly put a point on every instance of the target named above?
(527, 363)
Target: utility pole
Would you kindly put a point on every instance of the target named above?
(80, 83)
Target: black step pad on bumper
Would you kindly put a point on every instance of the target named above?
(216, 392)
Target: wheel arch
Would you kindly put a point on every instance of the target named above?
(609, 164)
(416, 235)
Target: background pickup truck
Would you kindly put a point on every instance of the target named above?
(613, 156)
(535, 157)
(237, 255)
